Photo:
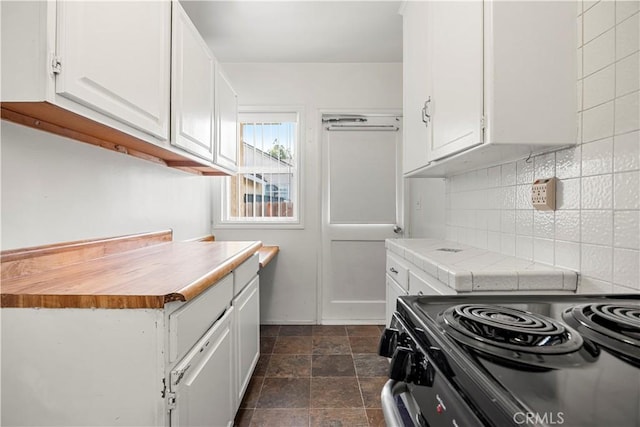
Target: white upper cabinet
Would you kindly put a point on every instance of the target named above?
(226, 122)
(114, 58)
(416, 89)
(123, 75)
(192, 88)
(456, 61)
(486, 82)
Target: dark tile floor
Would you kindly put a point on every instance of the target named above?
(316, 376)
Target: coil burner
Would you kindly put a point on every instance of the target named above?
(614, 326)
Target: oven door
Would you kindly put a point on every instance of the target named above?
(399, 407)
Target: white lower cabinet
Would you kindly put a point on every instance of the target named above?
(247, 335)
(393, 291)
(200, 383)
(185, 364)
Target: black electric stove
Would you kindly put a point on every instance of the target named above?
(544, 360)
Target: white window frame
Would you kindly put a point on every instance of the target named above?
(220, 200)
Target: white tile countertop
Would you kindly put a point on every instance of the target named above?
(466, 268)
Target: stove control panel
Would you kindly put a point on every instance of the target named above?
(408, 364)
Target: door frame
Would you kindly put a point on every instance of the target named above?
(322, 179)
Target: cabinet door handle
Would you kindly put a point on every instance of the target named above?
(426, 117)
(393, 270)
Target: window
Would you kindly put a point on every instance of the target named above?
(265, 189)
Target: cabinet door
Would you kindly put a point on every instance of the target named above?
(456, 52)
(192, 89)
(203, 380)
(227, 123)
(393, 292)
(247, 327)
(415, 85)
(115, 60)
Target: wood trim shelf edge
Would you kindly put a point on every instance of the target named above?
(53, 119)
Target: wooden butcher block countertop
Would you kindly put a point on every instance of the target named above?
(145, 277)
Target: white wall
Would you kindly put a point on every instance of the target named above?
(289, 288)
(55, 190)
(596, 229)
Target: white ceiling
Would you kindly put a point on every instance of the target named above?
(299, 31)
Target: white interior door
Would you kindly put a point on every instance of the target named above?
(361, 207)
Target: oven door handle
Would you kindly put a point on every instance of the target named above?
(390, 390)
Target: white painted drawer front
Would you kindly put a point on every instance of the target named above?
(398, 270)
(245, 272)
(188, 323)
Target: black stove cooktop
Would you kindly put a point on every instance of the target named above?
(568, 360)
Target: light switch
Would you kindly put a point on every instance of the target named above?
(543, 194)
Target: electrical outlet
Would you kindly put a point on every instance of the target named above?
(543, 194)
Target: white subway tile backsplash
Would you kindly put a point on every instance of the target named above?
(626, 233)
(544, 166)
(543, 251)
(599, 87)
(579, 127)
(493, 177)
(568, 194)
(627, 113)
(508, 244)
(579, 94)
(523, 196)
(626, 268)
(524, 222)
(626, 8)
(508, 221)
(597, 262)
(482, 219)
(596, 192)
(628, 74)
(568, 162)
(482, 178)
(543, 224)
(597, 227)
(597, 122)
(627, 40)
(588, 4)
(627, 152)
(524, 247)
(568, 225)
(481, 239)
(493, 241)
(508, 171)
(597, 157)
(524, 171)
(599, 53)
(626, 189)
(598, 19)
(567, 255)
(508, 197)
(493, 220)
